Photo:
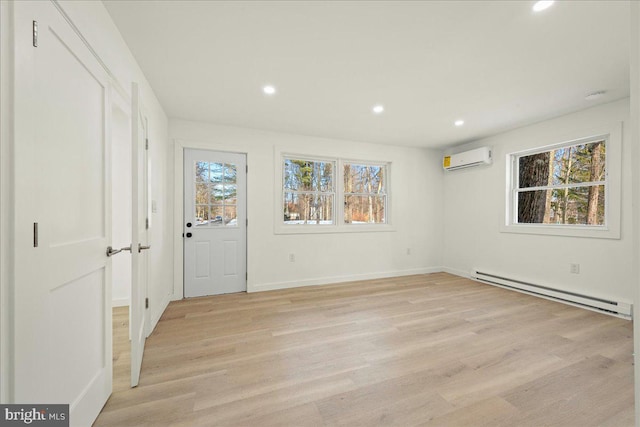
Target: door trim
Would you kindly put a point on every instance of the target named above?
(178, 213)
(6, 202)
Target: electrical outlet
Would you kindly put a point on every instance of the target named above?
(574, 268)
(292, 257)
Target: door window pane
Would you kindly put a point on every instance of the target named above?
(216, 194)
(216, 172)
(230, 216)
(230, 193)
(202, 172)
(230, 173)
(202, 197)
(202, 215)
(216, 215)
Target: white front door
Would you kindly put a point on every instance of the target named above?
(139, 238)
(215, 223)
(62, 292)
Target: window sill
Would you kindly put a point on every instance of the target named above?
(563, 230)
(327, 229)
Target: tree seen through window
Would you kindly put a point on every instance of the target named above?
(563, 186)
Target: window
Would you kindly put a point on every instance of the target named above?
(319, 195)
(564, 185)
(364, 193)
(216, 194)
(309, 193)
(567, 189)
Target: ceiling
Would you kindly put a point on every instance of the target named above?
(495, 64)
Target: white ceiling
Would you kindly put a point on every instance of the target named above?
(495, 64)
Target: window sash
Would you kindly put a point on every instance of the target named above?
(365, 194)
(329, 193)
(562, 186)
(382, 194)
(515, 181)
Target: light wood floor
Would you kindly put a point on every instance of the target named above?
(431, 350)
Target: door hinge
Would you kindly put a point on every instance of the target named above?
(146, 303)
(146, 223)
(247, 168)
(246, 276)
(146, 144)
(247, 222)
(35, 234)
(35, 33)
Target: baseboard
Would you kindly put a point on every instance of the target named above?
(340, 279)
(120, 302)
(157, 314)
(456, 272)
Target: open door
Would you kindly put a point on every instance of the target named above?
(139, 239)
(62, 214)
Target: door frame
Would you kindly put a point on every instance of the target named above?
(139, 261)
(178, 213)
(6, 202)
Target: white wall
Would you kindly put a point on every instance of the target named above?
(635, 158)
(416, 197)
(474, 209)
(95, 24)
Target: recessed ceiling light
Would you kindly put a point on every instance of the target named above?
(378, 109)
(542, 5)
(595, 95)
(269, 90)
(458, 123)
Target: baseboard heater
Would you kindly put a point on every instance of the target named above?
(615, 308)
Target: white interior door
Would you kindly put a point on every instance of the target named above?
(139, 237)
(215, 223)
(62, 293)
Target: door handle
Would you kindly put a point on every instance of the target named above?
(111, 252)
(142, 248)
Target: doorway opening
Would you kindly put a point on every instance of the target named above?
(121, 237)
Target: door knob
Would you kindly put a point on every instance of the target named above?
(189, 234)
(142, 248)
(189, 224)
(112, 252)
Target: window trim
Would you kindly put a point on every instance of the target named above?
(339, 226)
(612, 135)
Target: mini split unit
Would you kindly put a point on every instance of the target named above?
(467, 159)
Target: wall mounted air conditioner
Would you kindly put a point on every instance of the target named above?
(467, 159)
